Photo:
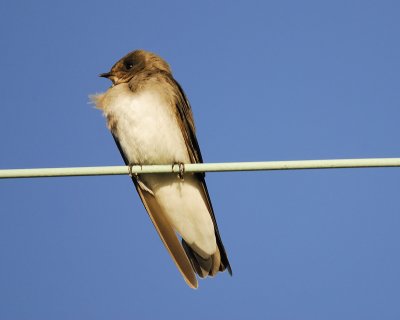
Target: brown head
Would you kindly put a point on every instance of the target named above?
(133, 63)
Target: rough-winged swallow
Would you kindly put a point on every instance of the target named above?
(151, 121)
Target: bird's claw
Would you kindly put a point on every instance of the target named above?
(181, 169)
(130, 169)
(137, 178)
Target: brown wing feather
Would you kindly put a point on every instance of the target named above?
(189, 132)
(168, 237)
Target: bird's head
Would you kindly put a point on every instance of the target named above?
(133, 63)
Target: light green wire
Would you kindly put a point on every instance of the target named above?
(201, 167)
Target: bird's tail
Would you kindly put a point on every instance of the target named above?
(204, 266)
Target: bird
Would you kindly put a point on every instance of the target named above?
(151, 121)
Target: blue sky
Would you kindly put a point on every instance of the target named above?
(281, 80)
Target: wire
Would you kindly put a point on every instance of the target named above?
(201, 167)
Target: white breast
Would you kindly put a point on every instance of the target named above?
(146, 126)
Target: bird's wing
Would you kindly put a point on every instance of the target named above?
(186, 122)
(164, 229)
(168, 236)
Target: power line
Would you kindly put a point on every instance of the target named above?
(201, 167)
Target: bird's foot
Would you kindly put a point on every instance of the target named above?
(136, 177)
(181, 169)
(131, 174)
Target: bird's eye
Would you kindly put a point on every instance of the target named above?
(128, 65)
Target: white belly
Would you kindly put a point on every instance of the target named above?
(146, 126)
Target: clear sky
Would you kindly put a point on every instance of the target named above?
(267, 80)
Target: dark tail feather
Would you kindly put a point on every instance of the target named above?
(204, 267)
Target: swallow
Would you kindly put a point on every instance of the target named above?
(151, 121)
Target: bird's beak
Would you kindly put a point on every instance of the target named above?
(110, 76)
(106, 75)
